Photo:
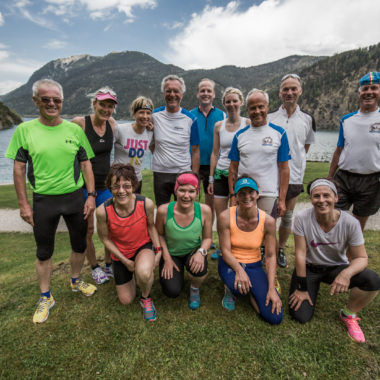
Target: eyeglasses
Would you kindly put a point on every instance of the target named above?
(125, 186)
(47, 100)
(295, 76)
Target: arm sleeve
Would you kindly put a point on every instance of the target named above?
(194, 133)
(297, 226)
(234, 154)
(310, 138)
(341, 136)
(283, 151)
(355, 237)
(17, 150)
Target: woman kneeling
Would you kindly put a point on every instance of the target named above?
(322, 234)
(185, 230)
(241, 230)
(126, 226)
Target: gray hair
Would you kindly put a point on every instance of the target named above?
(173, 77)
(234, 91)
(102, 90)
(49, 82)
(256, 90)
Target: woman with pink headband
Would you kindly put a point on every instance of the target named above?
(185, 232)
(322, 235)
(99, 128)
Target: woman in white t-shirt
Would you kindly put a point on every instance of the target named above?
(322, 235)
(132, 140)
(224, 132)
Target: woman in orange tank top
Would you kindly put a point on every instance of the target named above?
(241, 231)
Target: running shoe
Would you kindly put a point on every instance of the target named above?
(212, 246)
(194, 300)
(354, 330)
(149, 311)
(281, 258)
(228, 301)
(43, 306)
(81, 286)
(277, 286)
(108, 271)
(215, 255)
(99, 276)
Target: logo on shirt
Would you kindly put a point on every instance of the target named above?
(316, 245)
(102, 140)
(374, 128)
(267, 141)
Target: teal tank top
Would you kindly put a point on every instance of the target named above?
(183, 240)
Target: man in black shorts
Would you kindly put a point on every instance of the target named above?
(358, 153)
(58, 156)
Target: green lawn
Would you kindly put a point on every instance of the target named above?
(98, 338)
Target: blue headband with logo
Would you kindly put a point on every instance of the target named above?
(245, 182)
(372, 77)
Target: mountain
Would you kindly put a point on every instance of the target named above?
(8, 118)
(330, 84)
(132, 73)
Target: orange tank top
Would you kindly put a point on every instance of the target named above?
(245, 246)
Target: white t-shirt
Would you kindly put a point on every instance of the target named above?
(130, 147)
(174, 134)
(327, 248)
(300, 129)
(225, 141)
(258, 151)
(359, 136)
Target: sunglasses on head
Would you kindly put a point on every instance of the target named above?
(47, 100)
(295, 76)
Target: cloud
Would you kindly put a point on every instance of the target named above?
(272, 30)
(172, 26)
(55, 44)
(21, 8)
(1, 19)
(8, 85)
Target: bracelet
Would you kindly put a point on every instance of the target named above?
(210, 179)
(301, 283)
(157, 250)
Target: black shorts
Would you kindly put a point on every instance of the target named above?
(47, 210)
(294, 191)
(163, 187)
(173, 287)
(360, 190)
(221, 187)
(204, 173)
(122, 274)
(366, 280)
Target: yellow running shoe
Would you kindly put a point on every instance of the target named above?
(42, 312)
(81, 286)
(277, 286)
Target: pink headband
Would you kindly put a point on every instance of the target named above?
(187, 179)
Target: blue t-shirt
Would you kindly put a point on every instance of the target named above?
(206, 131)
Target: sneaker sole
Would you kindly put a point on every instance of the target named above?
(101, 282)
(43, 320)
(87, 295)
(227, 308)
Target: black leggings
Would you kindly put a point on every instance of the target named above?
(173, 287)
(47, 209)
(366, 280)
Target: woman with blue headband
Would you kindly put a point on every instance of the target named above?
(322, 235)
(242, 229)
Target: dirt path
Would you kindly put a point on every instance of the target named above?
(10, 221)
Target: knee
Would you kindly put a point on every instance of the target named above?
(144, 274)
(126, 299)
(170, 290)
(274, 319)
(286, 219)
(301, 316)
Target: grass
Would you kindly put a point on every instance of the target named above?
(8, 197)
(98, 338)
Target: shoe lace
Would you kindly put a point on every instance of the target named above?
(353, 323)
(41, 304)
(82, 284)
(147, 304)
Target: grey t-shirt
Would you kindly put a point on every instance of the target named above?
(327, 248)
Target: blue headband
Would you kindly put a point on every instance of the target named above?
(372, 77)
(245, 182)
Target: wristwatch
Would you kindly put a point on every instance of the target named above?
(92, 194)
(202, 251)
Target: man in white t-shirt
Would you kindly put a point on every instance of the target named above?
(176, 140)
(358, 153)
(300, 129)
(261, 151)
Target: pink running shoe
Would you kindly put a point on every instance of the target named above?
(354, 330)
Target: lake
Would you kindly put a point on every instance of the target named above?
(322, 150)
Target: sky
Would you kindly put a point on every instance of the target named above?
(189, 33)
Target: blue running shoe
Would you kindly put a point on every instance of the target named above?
(195, 299)
(228, 301)
(215, 255)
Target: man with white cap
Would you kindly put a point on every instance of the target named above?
(358, 153)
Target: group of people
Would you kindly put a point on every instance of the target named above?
(252, 172)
